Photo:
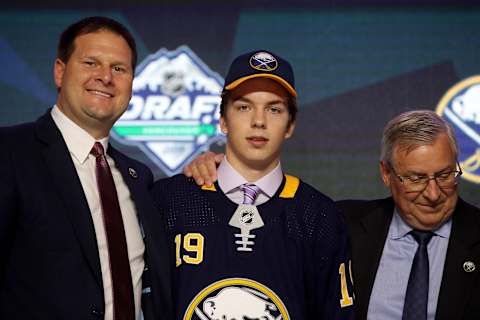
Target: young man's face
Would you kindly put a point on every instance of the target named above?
(96, 82)
(256, 122)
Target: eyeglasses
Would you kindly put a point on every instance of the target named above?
(419, 182)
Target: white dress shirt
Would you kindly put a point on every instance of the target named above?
(79, 143)
(230, 181)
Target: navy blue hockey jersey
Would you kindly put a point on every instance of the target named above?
(294, 266)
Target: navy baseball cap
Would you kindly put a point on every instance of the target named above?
(260, 64)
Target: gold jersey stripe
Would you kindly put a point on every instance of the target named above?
(211, 188)
(291, 187)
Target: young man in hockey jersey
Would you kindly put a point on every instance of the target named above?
(259, 244)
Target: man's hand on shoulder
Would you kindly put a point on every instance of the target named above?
(204, 168)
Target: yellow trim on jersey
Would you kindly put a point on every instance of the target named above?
(211, 188)
(291, 187)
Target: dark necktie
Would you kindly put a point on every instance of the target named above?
(123, 301)
(416, 297)
(250, 193)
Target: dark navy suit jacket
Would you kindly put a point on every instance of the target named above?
(49, 262)
(368, 223)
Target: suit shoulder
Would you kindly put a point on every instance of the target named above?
(468, 209)
(474, 209)
(349, 204)
(357, 209)
(17, 140)
(19, 131)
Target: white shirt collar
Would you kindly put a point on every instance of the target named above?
(229, 179)
(79, 142)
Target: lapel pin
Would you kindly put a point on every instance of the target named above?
(132, 173)
(469, 266)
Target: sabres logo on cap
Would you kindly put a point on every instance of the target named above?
(460, 106)
(263, 61)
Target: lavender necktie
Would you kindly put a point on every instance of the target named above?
(250, 193)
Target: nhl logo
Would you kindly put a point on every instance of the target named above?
(460, 106)
(174, 111)
(247, 217)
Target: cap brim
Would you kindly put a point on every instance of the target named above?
(278, 79)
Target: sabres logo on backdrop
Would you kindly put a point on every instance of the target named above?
(460, 106)
(174, 111)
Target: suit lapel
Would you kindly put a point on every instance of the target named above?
(137, 185)
(67, 184)
(368, 239)
(463, 246)
(152, 226)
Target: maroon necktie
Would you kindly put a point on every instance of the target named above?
(123, 301)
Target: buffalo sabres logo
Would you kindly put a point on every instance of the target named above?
(174, 111)
(460, 106)
(236, 299)
(469, 266)
(263, 61)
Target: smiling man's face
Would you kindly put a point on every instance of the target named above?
(430, 208)
(95, 84)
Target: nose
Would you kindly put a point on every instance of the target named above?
(432, 192)
(258, 118)
(105, 74)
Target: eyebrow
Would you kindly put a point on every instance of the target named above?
(243, 99)
(114, 63)
(411, 172)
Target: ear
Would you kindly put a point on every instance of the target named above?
(385, 173)
(290, 129)
(223, 125)
(58, 72)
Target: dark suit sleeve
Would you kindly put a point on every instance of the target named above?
(8, 203)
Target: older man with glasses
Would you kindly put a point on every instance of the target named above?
(415, 253)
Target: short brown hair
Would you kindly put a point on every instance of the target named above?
(66, 45)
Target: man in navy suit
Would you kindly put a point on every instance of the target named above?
(58, 258)
(419, 165)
